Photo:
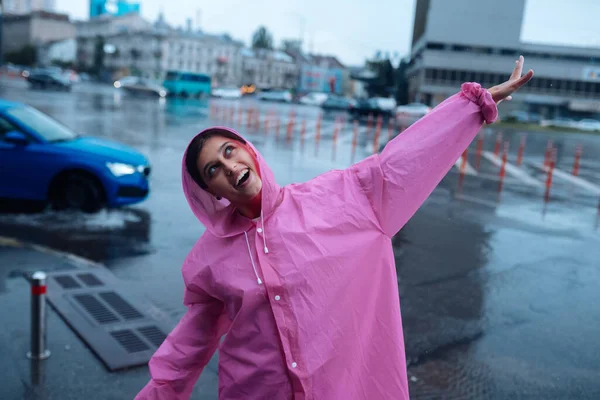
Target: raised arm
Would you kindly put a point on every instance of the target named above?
(179, 361)
(401, 178)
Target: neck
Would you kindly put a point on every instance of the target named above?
(252, 208)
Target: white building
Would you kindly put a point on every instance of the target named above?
(64, 51)
(269, 69)
(27, 6)
(136, 46)
(464, 40)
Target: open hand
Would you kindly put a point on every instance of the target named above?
(516, 81)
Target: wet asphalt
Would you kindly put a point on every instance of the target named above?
(498, 291)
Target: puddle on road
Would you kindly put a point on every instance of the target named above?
(103, 236)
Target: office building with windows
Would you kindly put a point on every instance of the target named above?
(464, 40)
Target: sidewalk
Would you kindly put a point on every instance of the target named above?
(72, 371)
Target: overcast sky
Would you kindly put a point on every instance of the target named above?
(354, 30)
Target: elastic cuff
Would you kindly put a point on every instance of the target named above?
(483, 98)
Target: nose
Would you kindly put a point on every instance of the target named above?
(230, 168)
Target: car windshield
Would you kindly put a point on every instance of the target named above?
(40, 123)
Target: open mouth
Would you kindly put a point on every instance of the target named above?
(242, 178)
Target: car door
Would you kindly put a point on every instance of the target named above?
(19, 166)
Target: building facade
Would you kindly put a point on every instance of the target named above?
(34, 29)
(459, 41)
(268, 69)
(322, 74)
(133, 46)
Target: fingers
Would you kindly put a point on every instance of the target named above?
(516, 74)
(524, 79)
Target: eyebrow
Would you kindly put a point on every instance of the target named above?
(218, 151)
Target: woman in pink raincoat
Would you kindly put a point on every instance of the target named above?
(296, 286)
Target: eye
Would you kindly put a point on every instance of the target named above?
(211, 170)
(229, 150)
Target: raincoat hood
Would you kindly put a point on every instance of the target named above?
(220, 217)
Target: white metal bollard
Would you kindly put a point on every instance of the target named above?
(38, 317)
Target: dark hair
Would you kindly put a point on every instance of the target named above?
(195, 147)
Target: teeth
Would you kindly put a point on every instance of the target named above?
(240, 176)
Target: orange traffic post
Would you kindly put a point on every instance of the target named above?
(335, 137)
(231, 114)
(502, 174)
(498, 144)
(377, 133)
(369, 123)
(354, 141)
(302, 134)
(479, 151)
(277, 127)
(521, 150)
(290, 127)
(463, 169)
(578, 151)
(318, 135)
(248, 117)
(550, 168)
(266, 124)
(240, 115)
(390, 129)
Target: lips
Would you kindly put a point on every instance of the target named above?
(241, 178)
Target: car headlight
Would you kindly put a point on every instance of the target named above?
(162, 93)
(120, 169)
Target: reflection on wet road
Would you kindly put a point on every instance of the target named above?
(498, 293)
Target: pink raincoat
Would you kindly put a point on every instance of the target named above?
(307, 294)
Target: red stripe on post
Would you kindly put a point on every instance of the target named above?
(38, 290)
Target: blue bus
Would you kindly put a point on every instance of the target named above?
(187, 84)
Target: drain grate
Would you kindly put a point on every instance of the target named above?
(130, 341)
(153, 335)
(67, 282)
(118, 304)
(96, 309)
(113, 325)
(90, 280)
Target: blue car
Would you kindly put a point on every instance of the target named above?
(44, 161)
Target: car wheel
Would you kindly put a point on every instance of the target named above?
(184, 95)
(77, 192)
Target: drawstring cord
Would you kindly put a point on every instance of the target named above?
(264, 235)
(252, 259)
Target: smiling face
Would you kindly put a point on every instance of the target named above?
(228, 170)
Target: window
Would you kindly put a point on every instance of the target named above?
(5, 127)
(42, 124)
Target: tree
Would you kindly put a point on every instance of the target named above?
(98, 65)
(384, 83)
(292, 46)
(402, 83)
(262, 39)
(27, 55)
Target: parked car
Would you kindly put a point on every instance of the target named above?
(523, 117)
(314, 99)
(413, 110)
(588, 124)
(337, 103)
(44, 161)
(227, 92)
(275, 95)
(373, 106)
(48, 80)
(559, 123)
(140, 86)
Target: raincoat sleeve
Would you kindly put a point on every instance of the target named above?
(400, 179)
(179, 361)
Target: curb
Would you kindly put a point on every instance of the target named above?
(78, 261)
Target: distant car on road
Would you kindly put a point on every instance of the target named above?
(227, 92)
(48, 80)
(44, 161)
(314, 99)
(140, 86)
(275, 95)
(187, 84)
(413, 110)
(337, 103)
(374, 107)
